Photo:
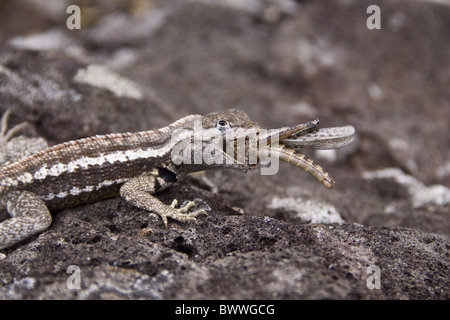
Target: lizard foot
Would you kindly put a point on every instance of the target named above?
(5, 133)
(13, 148)
(184, 213)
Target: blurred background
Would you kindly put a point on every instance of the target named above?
(139, 65)
(283, 62)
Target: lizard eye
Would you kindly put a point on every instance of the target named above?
(223, 124)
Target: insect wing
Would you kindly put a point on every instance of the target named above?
(326, 138)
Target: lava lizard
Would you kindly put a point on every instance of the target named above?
(138, 165)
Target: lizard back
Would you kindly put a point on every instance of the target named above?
(88, 169)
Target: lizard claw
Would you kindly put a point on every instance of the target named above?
(187, 206)
(184, 213)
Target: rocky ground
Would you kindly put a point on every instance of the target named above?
(137, 65)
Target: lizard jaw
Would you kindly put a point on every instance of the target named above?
(275, 135)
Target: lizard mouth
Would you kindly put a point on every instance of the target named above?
(274, 135)
(284, 143)
(267, 143)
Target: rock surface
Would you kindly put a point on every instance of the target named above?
(134, 67)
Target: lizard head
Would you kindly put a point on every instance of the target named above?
(229, 139)
(232, 139)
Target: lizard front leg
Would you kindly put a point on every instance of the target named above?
(29, 216)
(138, 191)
